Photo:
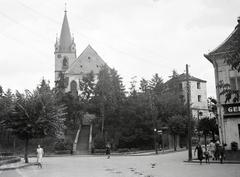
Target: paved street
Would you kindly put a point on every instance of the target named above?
(164, 165)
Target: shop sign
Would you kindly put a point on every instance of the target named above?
(231, 109)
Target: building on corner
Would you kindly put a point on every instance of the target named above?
(198, 93)
(228, 113)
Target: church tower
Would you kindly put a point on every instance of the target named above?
(65, 49)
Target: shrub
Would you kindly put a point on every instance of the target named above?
(234, 146)
(62, 145)
(99, 142)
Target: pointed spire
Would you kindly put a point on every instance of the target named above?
(65, 37)
(65, 7)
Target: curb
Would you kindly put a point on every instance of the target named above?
(10, 160)
(16, 167)
(213, 162)
(159, 153)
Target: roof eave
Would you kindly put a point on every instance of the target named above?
(207, 56)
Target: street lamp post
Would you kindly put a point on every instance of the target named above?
(155, 140)
(199, 113)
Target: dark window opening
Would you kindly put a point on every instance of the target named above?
(199, 98)
(65, 63)
(180, 86)
(181, 97)
(198, 85)
(233, 83)
(239, 131)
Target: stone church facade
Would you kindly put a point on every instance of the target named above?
(67, 62)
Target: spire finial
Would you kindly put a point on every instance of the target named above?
(65, 7)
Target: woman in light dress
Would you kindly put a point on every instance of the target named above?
(39, 156)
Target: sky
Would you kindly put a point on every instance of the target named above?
(136, 37)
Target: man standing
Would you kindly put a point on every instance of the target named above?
(39, 156)
(199, 152)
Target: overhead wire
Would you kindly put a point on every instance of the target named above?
(145, 59)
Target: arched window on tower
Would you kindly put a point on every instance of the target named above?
(65, 63)
(73, 88)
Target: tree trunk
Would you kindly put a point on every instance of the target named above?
(213, 136)
(14, 145)
(26, 150)
(174, 142)
(205, 140)
(103, 117)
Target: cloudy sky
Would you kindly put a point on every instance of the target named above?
(136, 37)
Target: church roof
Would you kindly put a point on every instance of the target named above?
(88, 61)
(231, 44)
(65, 37)
(183, 77)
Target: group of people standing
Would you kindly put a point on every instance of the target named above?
(213, 150)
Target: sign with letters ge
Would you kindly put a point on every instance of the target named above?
(231, 110)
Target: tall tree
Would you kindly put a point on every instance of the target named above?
(36, 115)
(102, 92)
(6, 106)
(208, 127)
(87, 86)
(177, 126)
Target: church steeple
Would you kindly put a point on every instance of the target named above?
(66, 42)
(65, 49)
(65, 37)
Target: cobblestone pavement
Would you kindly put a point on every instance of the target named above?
(163, 165)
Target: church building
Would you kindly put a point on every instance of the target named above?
(67, 62)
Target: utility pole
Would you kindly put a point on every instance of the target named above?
(154, 122)
(189, 117)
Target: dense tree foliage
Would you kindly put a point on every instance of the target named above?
(129, 121)
(34, 115)
(125, 119)
(208, 127)
(177, 126)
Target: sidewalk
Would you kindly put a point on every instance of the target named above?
(213, 161)
(142, 153)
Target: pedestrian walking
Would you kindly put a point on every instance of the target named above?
(217, 153)
(212, 149)
(40, 153)
(108, 149)
(199, 152)
(207, 154)
(221, 153)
